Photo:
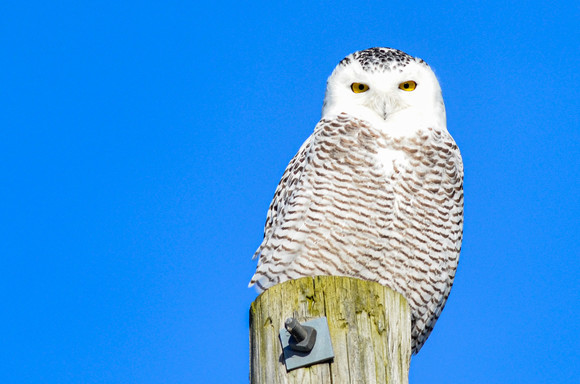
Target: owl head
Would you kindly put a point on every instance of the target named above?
(385, 87)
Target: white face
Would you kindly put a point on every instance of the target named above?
(386, 103)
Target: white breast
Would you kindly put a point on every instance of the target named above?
(388, 157)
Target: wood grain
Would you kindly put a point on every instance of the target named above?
(370, 328)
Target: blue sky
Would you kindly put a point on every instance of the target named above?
(141, 144)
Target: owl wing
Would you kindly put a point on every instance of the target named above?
(285, 207)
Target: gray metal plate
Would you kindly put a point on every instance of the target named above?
(322, 350)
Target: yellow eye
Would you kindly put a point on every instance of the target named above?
(408, 86)
(359, 87)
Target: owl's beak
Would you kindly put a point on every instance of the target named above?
(383, 105)
(384, 109)
(386, 105)
(384, 113)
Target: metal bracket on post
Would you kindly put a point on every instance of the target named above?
(305, 344)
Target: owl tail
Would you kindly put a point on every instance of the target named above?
(258, 281)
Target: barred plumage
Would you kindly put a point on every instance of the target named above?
(376, 192)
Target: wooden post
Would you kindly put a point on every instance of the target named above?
(370, 328)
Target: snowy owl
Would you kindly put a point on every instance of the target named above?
(376, 192)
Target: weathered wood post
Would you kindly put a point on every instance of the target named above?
(370, 329)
